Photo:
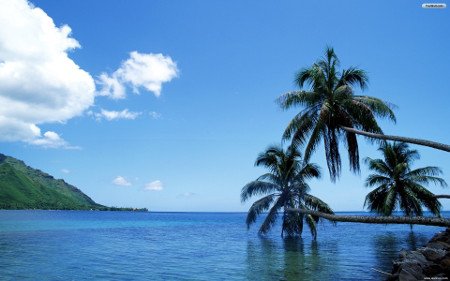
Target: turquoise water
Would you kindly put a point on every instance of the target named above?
(83, 245)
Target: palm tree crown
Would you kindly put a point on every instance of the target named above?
(284, 186)
(398, 186)
(330, 104)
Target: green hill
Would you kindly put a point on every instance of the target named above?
(22, 187)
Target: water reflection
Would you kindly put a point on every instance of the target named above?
(288, 259)
(387, 246)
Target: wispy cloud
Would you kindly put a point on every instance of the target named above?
(155, 115)
(154, 186)
(140, 70)
(65, 171)
(121, 181)
(111, 115)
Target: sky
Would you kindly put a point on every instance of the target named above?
(166, 104)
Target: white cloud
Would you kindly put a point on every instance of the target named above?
(51, 140)
(65, 171)
(154, 186)
(39, 83)
(154, 115)
(111, 87)
(121, 181)
(148, 71)
(114, 115)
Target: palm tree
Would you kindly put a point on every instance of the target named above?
(331, 104)
(333, 112)
(432, 221)
(398, 186)
(284, 186)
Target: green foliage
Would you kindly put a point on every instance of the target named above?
(398, 186)
(329, 103)
(22, 187)
(283, 187)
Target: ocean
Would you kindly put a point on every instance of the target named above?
(93, 245)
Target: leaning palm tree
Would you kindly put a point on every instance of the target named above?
(284, 186)
(398, 186)
(330, 104)
(333, 113)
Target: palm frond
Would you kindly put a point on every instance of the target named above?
(258, 207)
(310, 171)
(271, 217)
(314, 203)
(312, 225)
(314, 139)
(298, 98)
(353, 152)
(375, 179)
(426, 198)
(379, 166)
(312, 77)
(354, 76)
(257, 188)
(426, 171)
(378, 107)
(300, 127)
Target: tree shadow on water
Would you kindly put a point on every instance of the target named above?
(286, 259)
(388, 246)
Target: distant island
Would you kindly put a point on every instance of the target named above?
(22, 187)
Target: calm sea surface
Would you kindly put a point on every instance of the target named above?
(83, 245)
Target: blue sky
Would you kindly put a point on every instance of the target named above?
(223, 64)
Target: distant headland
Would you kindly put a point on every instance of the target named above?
(22, 187)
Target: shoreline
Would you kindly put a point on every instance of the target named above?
(105, 209)
(429, 262)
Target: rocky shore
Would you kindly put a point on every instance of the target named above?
(431, 262)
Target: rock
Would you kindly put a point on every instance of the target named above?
(445, 263)
(432, 270)
(429, 262)
(432, 254)
(411, 272)
(439, 245)
(413, 257)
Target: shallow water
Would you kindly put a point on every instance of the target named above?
(83, 245)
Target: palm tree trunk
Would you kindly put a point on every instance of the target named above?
(442, 196)
(378, 219)
(432, 144)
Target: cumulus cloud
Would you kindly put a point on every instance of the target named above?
(39, 83)
(52, 140)
(154, 186)
(140, 70)
(121, 181)
(114, 115)
(111, 86)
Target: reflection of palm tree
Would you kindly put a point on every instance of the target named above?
(293, 260)
(387, 246)
(399, 186)
(263, 260)
(284, 187)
